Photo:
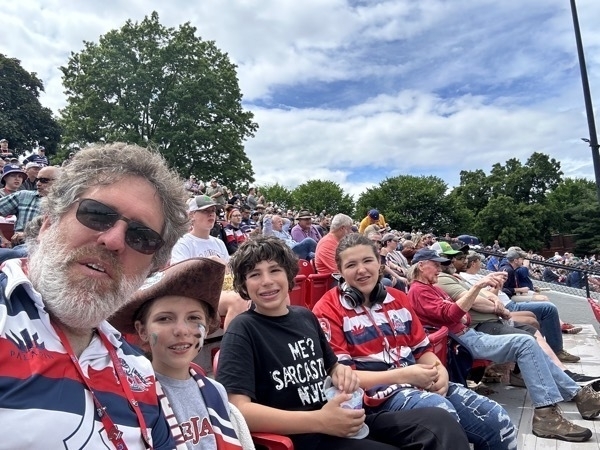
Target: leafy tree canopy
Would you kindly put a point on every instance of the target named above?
(410, 202)
(317, 195)
(24, 122)
(164, 87)
(278, 194)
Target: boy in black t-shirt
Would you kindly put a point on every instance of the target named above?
(274, 360)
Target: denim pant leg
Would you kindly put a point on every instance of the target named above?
(304, 248)
(18, 251)
(411, 398)
(547, 315)
(486, 422)
(539, 373)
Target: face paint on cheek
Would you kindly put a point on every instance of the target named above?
(200, 336)
(153, 339)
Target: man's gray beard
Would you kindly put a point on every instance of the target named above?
(82, 303)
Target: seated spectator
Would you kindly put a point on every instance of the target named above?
(391, 353)
(13, 177)
(233, 236)
(273, 226)
(373, 217)
(341, 225)
(275, 358)
(248, 225)
(251, 199)
(514, 259)
(32, 170)
(324, 225)
(408, 249)
(192, 186)
(304, 228)
(390, 278)
(547, 383)
(39, 157)
(198, 242)
(173, 312)
(394, 259)
(549, 275)
(546, 314)
(25, 205)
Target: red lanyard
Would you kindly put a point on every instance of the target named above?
(386, 344)
(112, 431)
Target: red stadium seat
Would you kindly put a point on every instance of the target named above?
(318, 284)
(305, 267)
(439, 342)
(298, 293)
(595, 308)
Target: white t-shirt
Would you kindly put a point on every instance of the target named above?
(472, 278)
(190, 246)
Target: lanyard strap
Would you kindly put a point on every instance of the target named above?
(385, 342)
(112, 431)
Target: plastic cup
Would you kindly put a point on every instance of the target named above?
(356, 402)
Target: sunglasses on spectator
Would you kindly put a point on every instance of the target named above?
(45, 180)
(100, 217)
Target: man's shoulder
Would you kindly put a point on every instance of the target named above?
(445, 279)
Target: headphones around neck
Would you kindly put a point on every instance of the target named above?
(355, 298)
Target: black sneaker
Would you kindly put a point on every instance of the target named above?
(581, 379)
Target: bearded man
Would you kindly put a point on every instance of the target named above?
(68, 379)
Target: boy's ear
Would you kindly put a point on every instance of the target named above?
(141, 330)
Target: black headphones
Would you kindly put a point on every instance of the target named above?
(355, 298)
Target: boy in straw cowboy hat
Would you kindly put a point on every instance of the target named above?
(172, 313)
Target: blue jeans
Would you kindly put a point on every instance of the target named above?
(546, 314)
(18, 251)
(305, 249)
(485, 422)
(546, 382)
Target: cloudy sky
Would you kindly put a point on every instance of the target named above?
(355, 91)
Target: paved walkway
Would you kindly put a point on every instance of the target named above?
(516, 401)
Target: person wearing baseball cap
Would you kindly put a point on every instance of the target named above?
(12, 178)
(546, 382)
(198, 242)
(373, 217)
(32, 169)
(172, 313)
(202, 211)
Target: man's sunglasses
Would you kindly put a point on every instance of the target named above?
(45, 180)
(100, 217)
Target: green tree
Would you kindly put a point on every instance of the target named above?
(278, 194)
(410, 202)
(317, 195)
(24, 122)
(512, 223)
(473, 191)
(575, 208)
(163, 87)
(529, 183)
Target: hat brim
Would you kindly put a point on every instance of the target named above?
(452, 253)
(197, 278)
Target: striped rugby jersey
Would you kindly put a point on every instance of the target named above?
(43, 403)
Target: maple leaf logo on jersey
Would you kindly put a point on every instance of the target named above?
(135, 379)
(26, 341)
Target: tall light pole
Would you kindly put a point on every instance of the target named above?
(589, 109)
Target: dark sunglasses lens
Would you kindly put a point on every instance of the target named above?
(95, 215)
(99, 217)
(44, 180)
(142, 239)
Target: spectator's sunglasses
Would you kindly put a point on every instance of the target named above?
(100, 217)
